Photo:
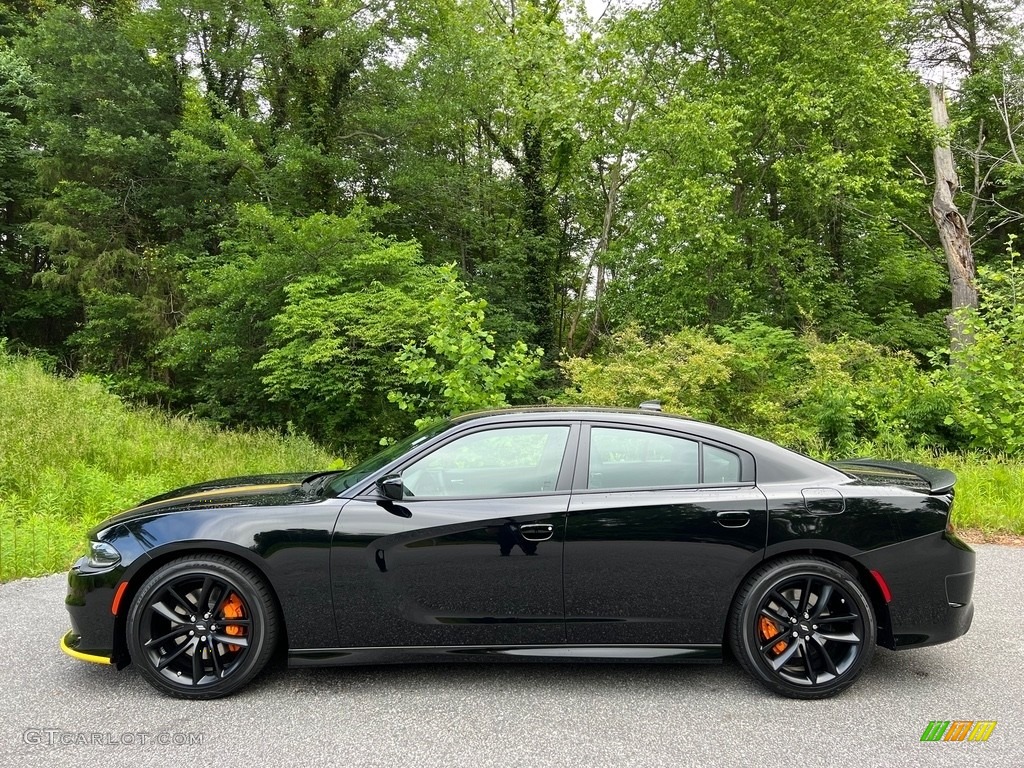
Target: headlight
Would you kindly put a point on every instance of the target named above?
(102, 555)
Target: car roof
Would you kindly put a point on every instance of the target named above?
(591, 413)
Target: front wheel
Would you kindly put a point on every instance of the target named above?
(202, 626)
(803, 627)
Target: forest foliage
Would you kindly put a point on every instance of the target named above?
(342, 217)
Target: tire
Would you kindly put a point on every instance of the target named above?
(188, 652)
(820, 619)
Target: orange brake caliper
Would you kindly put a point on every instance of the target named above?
(768, 631)
(233, 610)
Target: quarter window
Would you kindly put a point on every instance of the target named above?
(720, 466)
(496, 462)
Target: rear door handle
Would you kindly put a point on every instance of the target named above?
(537, 531)
(733, 519)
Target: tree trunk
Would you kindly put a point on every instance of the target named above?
(539, 255)
(952, 227)
(600, 252)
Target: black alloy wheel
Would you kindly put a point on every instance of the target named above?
(803, 627)
(202, 626)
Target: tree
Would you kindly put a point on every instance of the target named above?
(952, 39)
(617, 97)
(18, 257)
(771, 179)
(101, 118)
(950, 223)
(290, 79)
(456, 367)
(973, 49)
(491, 109)
(299, 323)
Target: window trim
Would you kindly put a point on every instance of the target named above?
(563, 481)
(582, 473)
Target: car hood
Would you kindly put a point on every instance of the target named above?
(247, 491)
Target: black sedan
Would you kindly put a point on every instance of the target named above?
(538, 534)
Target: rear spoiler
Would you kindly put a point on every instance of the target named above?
(937, 481)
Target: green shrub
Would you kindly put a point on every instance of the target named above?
(687, 371)
(456, 367)
(985, 380)
(820, 397)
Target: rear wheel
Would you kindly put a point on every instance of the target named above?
(803, 627)
(202, 626)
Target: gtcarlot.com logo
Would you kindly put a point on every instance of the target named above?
(958, 730)
(57, 737)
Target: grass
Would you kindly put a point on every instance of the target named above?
(989, 493)
(72, 454)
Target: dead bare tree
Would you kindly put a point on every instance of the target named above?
(954, 233)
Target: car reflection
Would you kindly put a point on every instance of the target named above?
(509, 538)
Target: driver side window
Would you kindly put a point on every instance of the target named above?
(494, 462)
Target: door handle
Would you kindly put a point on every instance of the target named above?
(537, 531)
(733, 519)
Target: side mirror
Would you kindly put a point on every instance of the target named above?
(391, 487)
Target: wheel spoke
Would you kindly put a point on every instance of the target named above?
(823, 652)
(218, 669)
(197, 665)
(847, 637)
(805, 594)
(203, 604)
(780, 661)
(185, 604)
(167, 613)
(222, 598)
(768, 644)
(179, 630)
(776, 617)
(232, 639)
(777, 597)
(837, 619)
(823, 597)
(217, 592)
(805, 652)
(165, 660)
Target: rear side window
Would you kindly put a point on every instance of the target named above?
(625, 458)
(720, 466)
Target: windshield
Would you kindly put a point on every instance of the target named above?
(363, 469)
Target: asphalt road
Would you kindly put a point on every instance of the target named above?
(55, 711)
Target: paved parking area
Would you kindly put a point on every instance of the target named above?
(55, 711)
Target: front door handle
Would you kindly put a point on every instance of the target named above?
(537, 531)
(733, 519)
